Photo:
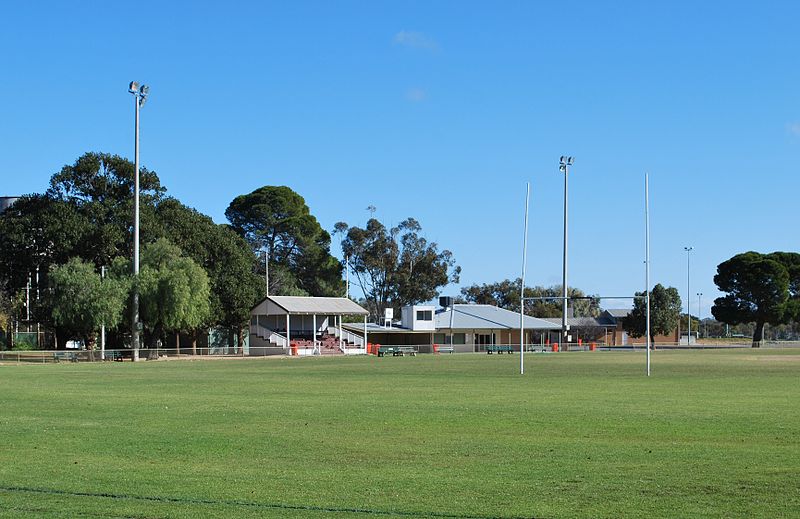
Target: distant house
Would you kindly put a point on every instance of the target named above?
(619, 337)
(607, 329)
(465, 327)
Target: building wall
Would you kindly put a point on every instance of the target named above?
(618, 337)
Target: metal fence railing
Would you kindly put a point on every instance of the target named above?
(57, 356)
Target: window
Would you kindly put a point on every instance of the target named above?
(424, 315)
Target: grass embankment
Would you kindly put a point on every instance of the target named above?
(711, 433)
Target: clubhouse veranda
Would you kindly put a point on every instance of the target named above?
(293, 325)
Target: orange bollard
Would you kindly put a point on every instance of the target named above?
(592, 347)
(436, 348)
(555, 347)
(294, 348)
(369, 349)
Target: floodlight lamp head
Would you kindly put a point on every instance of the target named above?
(144, 90)
(133, 88)
(570, 160)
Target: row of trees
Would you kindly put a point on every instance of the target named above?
(540, 301)
(195, 273)
(83, 223)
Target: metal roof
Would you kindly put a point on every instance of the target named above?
(619, 312)
(583, 322)
(378, 328)
(484, 317)
(297, 305)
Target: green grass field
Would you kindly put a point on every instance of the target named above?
(711, 434)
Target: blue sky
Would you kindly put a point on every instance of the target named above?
(441, 111)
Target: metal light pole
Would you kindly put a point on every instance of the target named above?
(564, 164)
(139, 98)
(699, 310)
(688, 296)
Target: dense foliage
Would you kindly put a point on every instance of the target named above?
(760, 288)
(276, 220)
(543, 302)
(396, 266)
(665, 309)
(87, 214)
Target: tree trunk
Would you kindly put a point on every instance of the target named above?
(758, 335)
(178, 343)
(158, 332)
(61, 339)
(194, 342)
(240, 338)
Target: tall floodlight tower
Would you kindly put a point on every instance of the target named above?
(139, 98)
(563, 166)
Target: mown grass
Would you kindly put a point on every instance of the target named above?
(711, 433)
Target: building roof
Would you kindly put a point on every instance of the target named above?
(484, 317)
(619, 313)
(379, 328)
(301, 305)
(584, 322)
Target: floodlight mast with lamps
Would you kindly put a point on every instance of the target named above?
(564, 163)
(139, 98)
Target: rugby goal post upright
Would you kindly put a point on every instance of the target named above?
(647, 264)
(522, 285)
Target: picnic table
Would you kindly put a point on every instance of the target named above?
(499, 349)
(397, 351)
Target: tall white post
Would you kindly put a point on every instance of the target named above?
(522, 285)
(340, 333)
(103, 326)
(314, 334)
(347, 276)
(288, 333)
(688, 298)
(365, 334)
(647, 262)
